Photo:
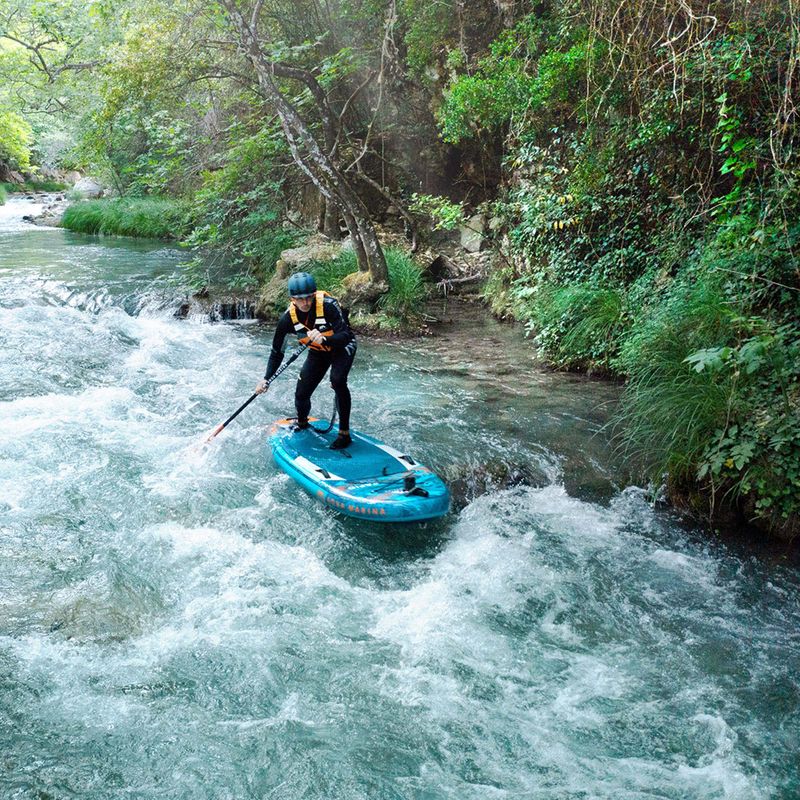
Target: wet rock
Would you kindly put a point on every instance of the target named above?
(469, 481)
(216, 309)
(471, 235)
(317, 248)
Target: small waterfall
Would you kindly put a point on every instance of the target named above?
(217, 310)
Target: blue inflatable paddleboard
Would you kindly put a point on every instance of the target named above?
(367, 480)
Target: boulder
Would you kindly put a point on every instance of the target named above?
(471, 235)
(72, 177)
(358, 291)
(317, 248)
(89, 188)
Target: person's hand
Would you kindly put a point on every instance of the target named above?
(315, 336)
(261, 386)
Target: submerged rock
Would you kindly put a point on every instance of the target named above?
(469, 481)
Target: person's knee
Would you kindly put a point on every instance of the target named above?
(338, 383)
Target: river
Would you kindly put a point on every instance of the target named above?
(180, 621)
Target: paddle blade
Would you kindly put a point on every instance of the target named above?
(215, 432)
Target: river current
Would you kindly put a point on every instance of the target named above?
(179, 621)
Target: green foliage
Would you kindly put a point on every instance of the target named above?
(504, 88)
(429, 31)
(236, 213)
(576, 326)
(154, 218)
(330, 274)
(33, 186)
(3, 195)
(713, 395)
(669, 409)
(756, 448)
(444, 214)
(15, 140)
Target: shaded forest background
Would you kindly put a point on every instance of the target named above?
(637, 161)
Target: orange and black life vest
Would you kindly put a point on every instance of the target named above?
(320, 323)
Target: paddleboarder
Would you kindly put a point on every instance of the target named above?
(318, 321)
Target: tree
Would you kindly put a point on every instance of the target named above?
(320, 160)
(15, 139)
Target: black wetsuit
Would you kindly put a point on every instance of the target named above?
(339, 359)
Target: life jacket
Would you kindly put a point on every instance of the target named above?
(320, 323)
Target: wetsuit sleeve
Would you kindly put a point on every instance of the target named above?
(283, 327)
(342, 335)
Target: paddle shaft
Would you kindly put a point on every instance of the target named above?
(252, 397)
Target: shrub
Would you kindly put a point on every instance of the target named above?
(402, 302)
(34, 186)
(330, 274)
(669, 411)
(576, 326)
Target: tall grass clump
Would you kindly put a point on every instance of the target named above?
(577, 326)
(406, 287)
(400, 305)
(147, 217)
(330, 274)
(3, 196)
(669, 409)
(34, 186)
(44, 186)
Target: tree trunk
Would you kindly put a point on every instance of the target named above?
(330, 219)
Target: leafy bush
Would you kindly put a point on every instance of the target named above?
(235, 215)
(330, 274)
(152, 217)
(577, 325)
(713, 397)
(15, 140)
(669, 411)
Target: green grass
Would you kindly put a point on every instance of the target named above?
(3, 195)
(406, 288)
(147, 217)
(578, 325)
(670, 411)
(330, 274)
(33, 186)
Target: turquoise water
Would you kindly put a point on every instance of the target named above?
(181, 622)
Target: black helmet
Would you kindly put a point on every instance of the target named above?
(301, 284)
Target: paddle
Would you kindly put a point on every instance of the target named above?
(244, 405)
